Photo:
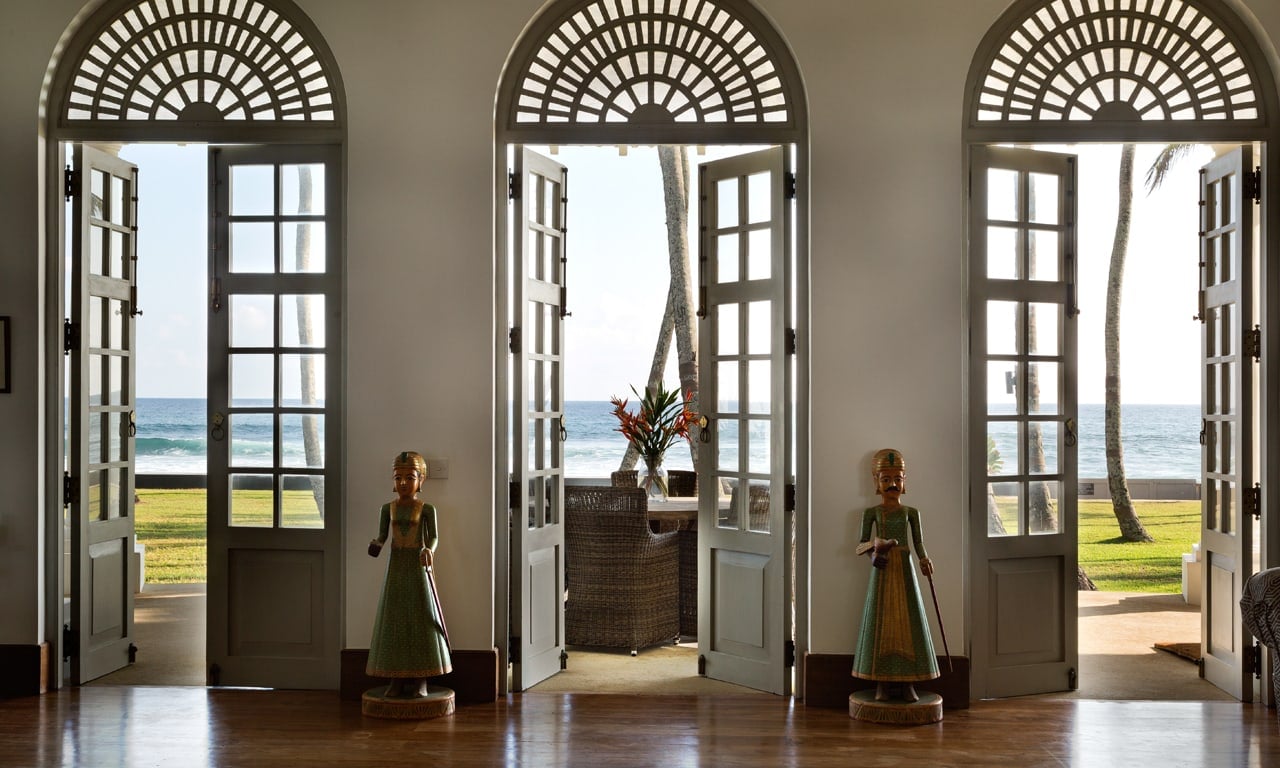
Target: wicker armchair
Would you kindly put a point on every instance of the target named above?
(682, 482)
(757, 509)
(625, 478)
(622, 579)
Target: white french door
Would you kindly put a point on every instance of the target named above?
(1023, 411)
(537, 419)
(1228, 374)
(274, 516)
(100, 477)
(744, 565)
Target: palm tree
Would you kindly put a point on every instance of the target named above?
(1131, 528)
(677, 318)
(306, 337)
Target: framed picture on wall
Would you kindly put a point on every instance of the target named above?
(4, 354)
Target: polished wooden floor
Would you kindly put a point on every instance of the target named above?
(191, 727)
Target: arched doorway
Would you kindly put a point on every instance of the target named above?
(258, 74)
(695, 74)
(1089, 71)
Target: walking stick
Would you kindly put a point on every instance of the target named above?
(435, 599)
(943, 630)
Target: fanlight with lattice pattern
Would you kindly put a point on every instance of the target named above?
(652, 61)
(201, 60)
(1118, 60)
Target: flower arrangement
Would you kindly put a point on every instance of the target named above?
(662, 419)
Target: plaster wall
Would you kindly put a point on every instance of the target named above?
(885, 91)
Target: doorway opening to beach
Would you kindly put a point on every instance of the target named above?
(629, 291)
(140, 419)
(1169, 433)
(1142, 276)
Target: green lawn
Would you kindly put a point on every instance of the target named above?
(1116, 565)
(1120, 566)
(171, 523)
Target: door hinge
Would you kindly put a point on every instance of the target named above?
(70, 643)
(790, 341)
(70, 183)
(789, 185)
(702, 665)
(513, 186)
(1253, 501)
(513, 341)
(1253, 343)
(789, 653)
(70, 337)
(1253, 660)
(790, 498)
(1253, 185)
(70, 489)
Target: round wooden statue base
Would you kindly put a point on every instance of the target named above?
(863, 706)
(437, 703)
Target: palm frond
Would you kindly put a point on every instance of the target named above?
(1164, 163)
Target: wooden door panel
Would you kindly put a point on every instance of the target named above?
(744, 571)
(537, 400)
(1027, 629)
(1023, 340)
(274, 522)
(102, 368)
(741, 603)
(1227, 402)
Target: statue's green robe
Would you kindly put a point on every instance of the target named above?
(894, 643)
(409, 636)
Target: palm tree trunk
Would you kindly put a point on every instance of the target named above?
(677, 316)
(306, 337)
(1131, 528)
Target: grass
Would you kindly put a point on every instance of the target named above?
(171, 523)
(1116, 565)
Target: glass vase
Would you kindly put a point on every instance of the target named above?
(654, 478)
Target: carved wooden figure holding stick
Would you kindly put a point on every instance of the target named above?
(894, 646)
(410, 642)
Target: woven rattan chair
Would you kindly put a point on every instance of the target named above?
(625, 478)
(682, 482)
(622, 579)
(757, 509)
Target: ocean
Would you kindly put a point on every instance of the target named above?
(1161, 441)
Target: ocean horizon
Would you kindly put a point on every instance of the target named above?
(1160, 441)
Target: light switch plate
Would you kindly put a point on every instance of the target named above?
(437, 469)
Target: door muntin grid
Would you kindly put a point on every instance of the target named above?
(277, 300)
(1027, 285)
(542, 209)
(1223, 383)
(744, 242)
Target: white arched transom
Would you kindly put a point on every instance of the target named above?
(1086, 60)
(654, 62)
(200, 60)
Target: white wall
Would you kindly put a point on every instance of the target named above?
(885, 89)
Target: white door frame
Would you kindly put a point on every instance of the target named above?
(323, 107)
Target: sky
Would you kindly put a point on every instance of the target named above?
(618, 274)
